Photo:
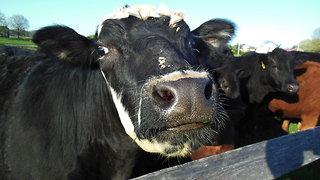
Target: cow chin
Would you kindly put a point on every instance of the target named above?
(172, 143)
(171, 139)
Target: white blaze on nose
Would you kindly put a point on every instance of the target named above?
(174, 76)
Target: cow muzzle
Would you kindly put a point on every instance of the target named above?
(179, 112)
(187, 102)
(293, 88)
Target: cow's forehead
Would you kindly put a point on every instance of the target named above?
(279, 55)
(144, 12)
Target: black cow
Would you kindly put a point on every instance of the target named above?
(86, 109)
(265, 73)
(262, 74)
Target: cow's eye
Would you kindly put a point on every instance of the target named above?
(192, 42)
(102, 50)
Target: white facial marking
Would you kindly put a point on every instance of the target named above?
(123, 114)
(144, 12)
(186, 74)
(139, 111)
(162, 60)
(126, 122)
(223, 33)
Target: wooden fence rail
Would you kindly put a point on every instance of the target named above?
(265, 160)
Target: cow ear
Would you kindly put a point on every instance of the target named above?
(217, 32)
(240, 72)
(263, 61)
(63, 43)
(215, 73)
(300, 59)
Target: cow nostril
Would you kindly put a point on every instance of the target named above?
(208, 90)
(165, 95)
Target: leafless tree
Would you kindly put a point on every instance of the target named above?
(4, 30)
(3, 21)
(19, 23)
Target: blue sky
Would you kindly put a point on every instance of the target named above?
(285, 22)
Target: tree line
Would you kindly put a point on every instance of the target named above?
(16, 25)
(313, 44)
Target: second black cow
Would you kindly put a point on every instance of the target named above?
(262, 74)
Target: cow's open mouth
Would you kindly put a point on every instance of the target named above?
(189, 126)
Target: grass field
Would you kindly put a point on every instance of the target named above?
(16, 41)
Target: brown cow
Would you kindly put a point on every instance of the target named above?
(224, 143)
(206, 151)
(307, 104)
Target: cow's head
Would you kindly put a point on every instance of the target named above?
(279, 66)
(165, 104)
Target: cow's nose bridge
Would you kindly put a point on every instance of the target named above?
(169, 90)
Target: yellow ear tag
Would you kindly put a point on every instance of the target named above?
(263, 65)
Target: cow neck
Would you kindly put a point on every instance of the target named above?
(257, 94)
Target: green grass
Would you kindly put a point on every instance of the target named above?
(293, 128)
(16, 41)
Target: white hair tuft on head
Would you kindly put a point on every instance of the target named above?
(144, 12)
